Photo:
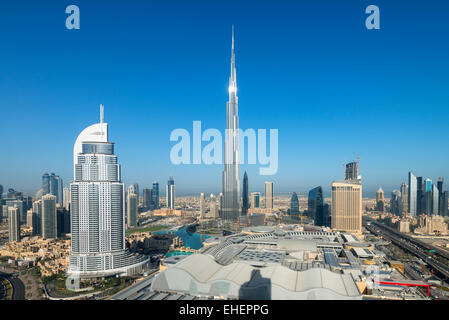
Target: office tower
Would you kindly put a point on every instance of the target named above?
(428, 185)
(444, 203)
(380, 201)
(440, 183)
(170, 195)
(59, 194)
(269, 203)
(37, 218)
(220, 201)
(97, 209)
(294, 204)
(213, 207)
(155, 195)
(66, 198)
(49, 217)
(231, 208)
(352, 171)
(1, 192)
(412, 194)
(5, 211)
(147, 199)
(404, 197)
(245, 197)
(396, 202)
(315, 207)
(436, 198)
(427, 199)
(131, 189)
(131, 212)
(346, 206)
(255, 200)
(136, 191)
(22, 210)
(13, 224)
(29, 218)
(420, 203)
(46, 183)
(202, 206)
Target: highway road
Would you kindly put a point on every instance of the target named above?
(410, 246)
(18, 288)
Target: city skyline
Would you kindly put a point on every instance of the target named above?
(377, 101)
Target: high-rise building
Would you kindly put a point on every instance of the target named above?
(352, 171)
(155, 195)
(232, 207)
(404, 197)
(29, 218)
(1, 192)
(147, 198)
(131, 210)
(245, 196)
(46, 183)
(316, 209)
(59, 193)
(444, 203)
(440, 184)
(347, 206)
(412, 194)
(435, 200)
(380, 201)
(22, 208)
(213, 213)
(136, 191)
(13, 224)
(202, 206)
(170, 194)
(97, 209)
(255, 200)
(294, 205)
(49, 218)
(396, 202)
(269, 202)
(66, 198)
(420, 199)
(220, 201)
(37, 218)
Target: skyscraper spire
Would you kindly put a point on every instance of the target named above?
(101, 113)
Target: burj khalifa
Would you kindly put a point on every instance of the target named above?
(231, 208)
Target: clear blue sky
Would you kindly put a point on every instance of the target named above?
(308, 68)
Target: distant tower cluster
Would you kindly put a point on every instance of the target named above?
(424, 197)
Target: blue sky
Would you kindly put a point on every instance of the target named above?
(310, 69)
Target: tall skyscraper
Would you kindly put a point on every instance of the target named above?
(213, 207)
(147, 199)
(269, 202)
(245, 196)
(440, 184)
(294, 205)
(37, 218)
(155, 195)
(404, 197)
(220, 201)
(59, 193)
(315, 207)
(13, 224)
(131, 210)
(412, 194)
(1, 192)
(97, 209)
(420, 203)
(46, 183)
(66, 198)
(380, 201)
(170, 194)
(347, 206)
(444, 204)
(435, 200)
(49, 218)
(255, 200)
(202, 206)
(352, 171)
(136, 191)
(231, 209)
(396, 202)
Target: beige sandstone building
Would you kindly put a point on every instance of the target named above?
(347, 206)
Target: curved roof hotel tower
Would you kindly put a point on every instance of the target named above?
(97, 209)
